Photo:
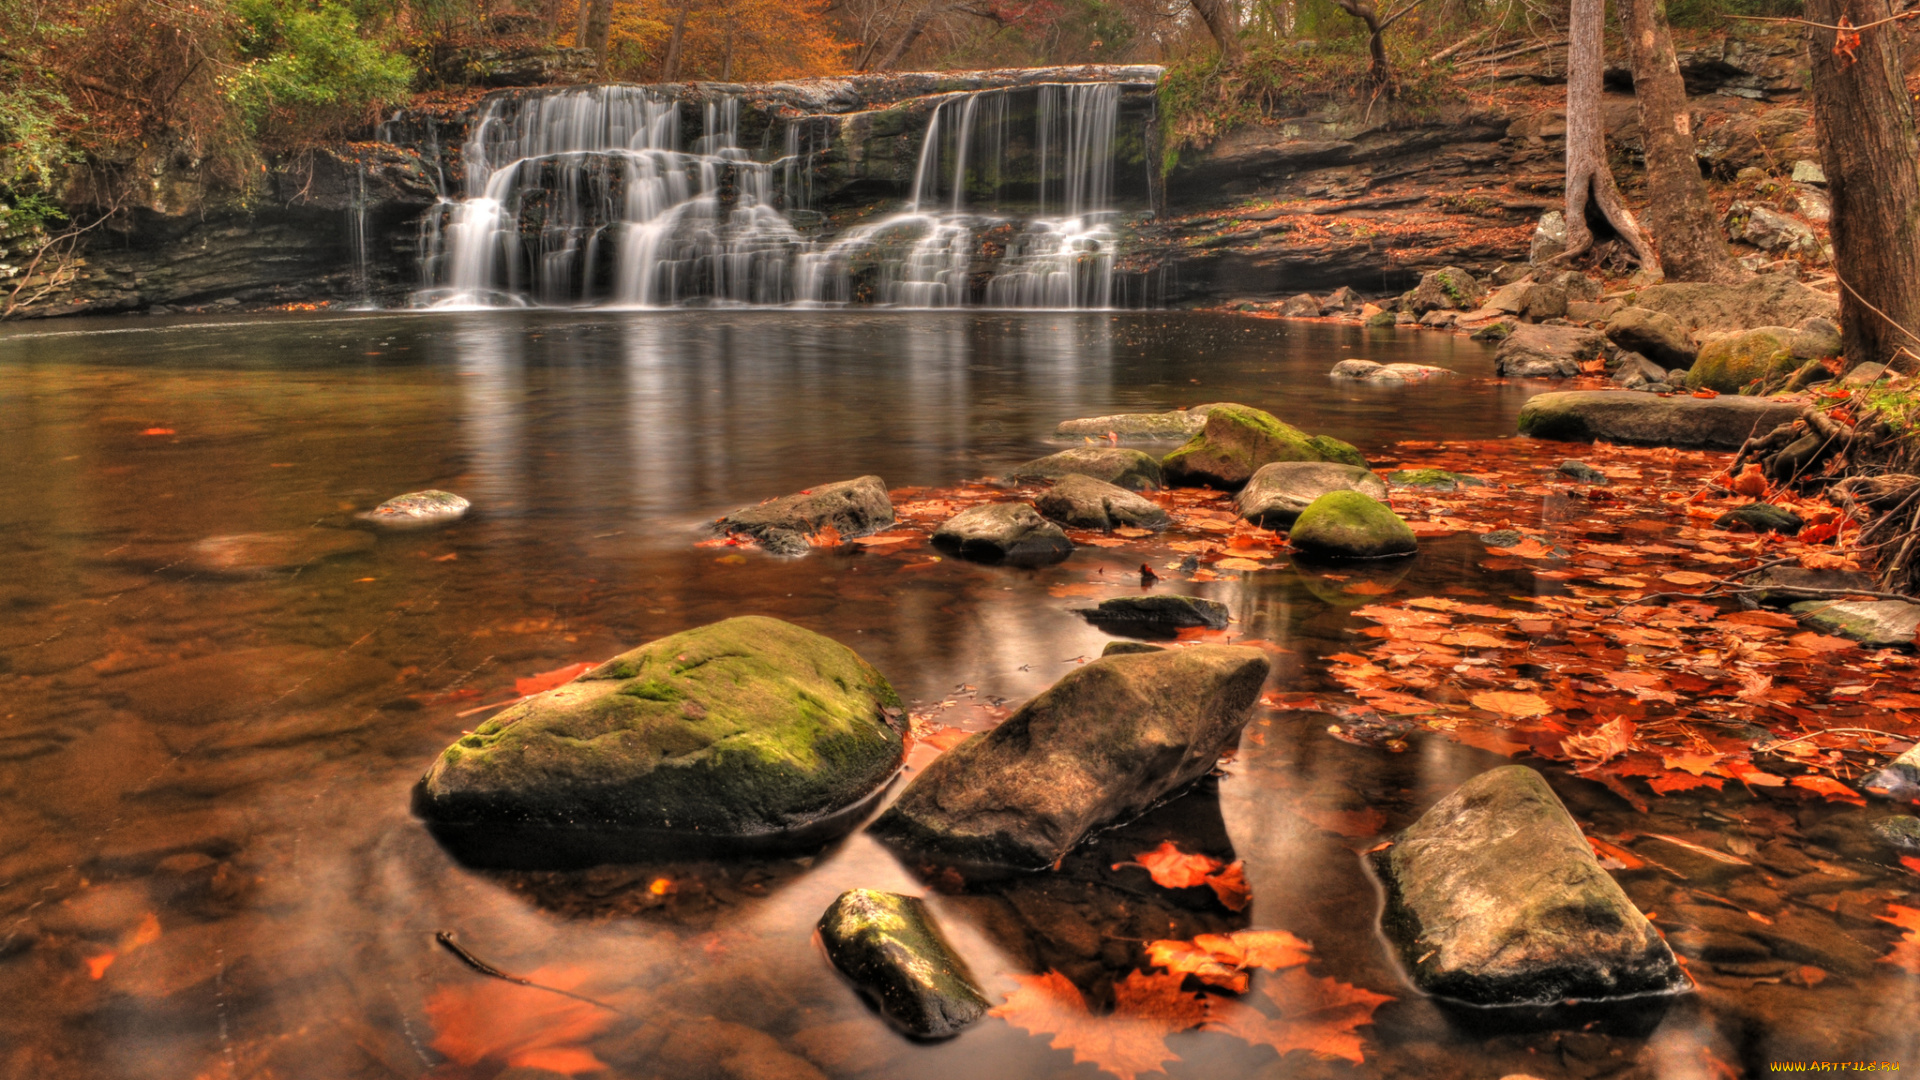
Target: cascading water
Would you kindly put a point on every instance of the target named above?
(587, 196)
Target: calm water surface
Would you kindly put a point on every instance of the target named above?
(207, 866)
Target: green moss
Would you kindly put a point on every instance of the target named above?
(1348, 524)
(1333, 449)
(1436, 479)
(1731, 364)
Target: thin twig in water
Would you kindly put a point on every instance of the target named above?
(445, 938)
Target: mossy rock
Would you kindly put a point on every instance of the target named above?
(1730, 364)
(1350, 525)
(889, 947)
(750, 727)
(1432, 479)
(1238, 440)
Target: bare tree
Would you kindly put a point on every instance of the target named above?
(1223, 22)
(1590, 181)
(1381, 70)
(1872, 160)
(596, 23)
(670, 62)
(1692, 247)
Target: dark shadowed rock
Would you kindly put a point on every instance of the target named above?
(1237, 440)
(1786, 584)
(1873, 623)
(1175, 425)
(1581, 472)
(1547, 352)
(1636, 372)
(1626, 416)
(1899, 833)
(1158, 611)
(1351, 525)
(1130, 469)
(888, 945)
(1301, 306)
(1653, 334)
(852, 507)
(1012, 533)
(1098, 747)
(1278, 493)
(1899, 780)
(1081, 502)
(1494, 897)
(744, 729)
(418, 510)
(1760, 517)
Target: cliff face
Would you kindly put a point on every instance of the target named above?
(1313, 201)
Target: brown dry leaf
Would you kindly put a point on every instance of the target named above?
(1613, 738)
(1172, 868)
(1527, 548)
(1474, 639)
(1230, 886)
(1905, 954)
(883, 539)
(1696, 763)
(1688, 577)
(1131, 533)
(1510, 703)
(1316, 1015)
(1130, 1041)
(1195, 959)
(827, 537)
(1223, 959)
(1821, 643)
(1240, 564)
(509, 1025)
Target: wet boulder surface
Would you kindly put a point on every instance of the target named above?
(1238, 440)
(1081, 502)
(1160, 614)
(1351, 525)
(1010, 533)
(418, 510)
(1277, 494)
(890, 948)
(1134, 470)
(858, 507)
(1097, 748)
(1494, 897)
(749, 730)
(1641, 419)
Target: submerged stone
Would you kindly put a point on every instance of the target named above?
(1873, 623)
(852, 508)
(1494, 897)
(256, 554)
(1238, 440)
(1098, 747)
(418, 509)
(1760, 517)
(1899, 780)
(1012, 533)
(1351, 525)
(743, 729)
(1278, 493)
(1163, 611)
(1134, 470)
(888, 945)
(1082, 502)
(1582, 472)
(1899, 833)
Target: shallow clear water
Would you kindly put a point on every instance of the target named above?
(208, 868)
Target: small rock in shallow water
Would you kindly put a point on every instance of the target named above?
(1081, 502)
(1134, 470)
(1899, 780)
(1146, 427)
(888, 945)
(852, 508)
(1011, 533)
(1494, 897)
(1433, 479)
(1098, 747)
(1350, 525)
(1760, 517)
(1238, 440)
(418, 509)
(1902, 833)
(1278, 493)
(1121, 648)
(1874, 623)
(1501, 538)
(1582, 472)
(1164, 611)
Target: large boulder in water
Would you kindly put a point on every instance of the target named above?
(1278, 493)
(747, 729)
(1130, 469)
(851, 507)
(1098, 747)
(1494, 897)
(1626, 416)
(1351, 525)
(1238, 440)
(1011, 533)
(1081, 502)
(888, 946)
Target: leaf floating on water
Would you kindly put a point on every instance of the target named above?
(1172, 868)
(1512, 703)
(513, 1026)
(1315, 1015)
(1230, 886)
(1834, 790)
(1129, 1041)
(1223, 959)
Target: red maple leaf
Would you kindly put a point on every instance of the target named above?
(1127, 1042)
(1316, 1015)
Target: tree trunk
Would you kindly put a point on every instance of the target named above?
(596, 26)
(1589, 178)
(1868, 148)
(1692, 247)
(915, 27)
(726, 56)
(670, 64)
(1223, 21)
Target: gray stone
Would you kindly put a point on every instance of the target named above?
(1159, 611)
(1134, 470)
(1012, 533)
(1863, 375)
(1770, 231)
(1368, 371)
(1277, 494)
(1082, 502)
(418, 509)
(1548, 351)
(1238, 440)
(1653, 334)
(1447, 289)
(853, 508)
(1355, 369)
(1874, 623)
(1302, 306)
(1578, 286)
(1588, 312)
(1760, 517)
(889, 947)
(744, 729)
(1099, 747)
(1582, 472)
(1549, 238)
(1785, 584)
(1812, 203)
(1626, 416)
(1899, 780)
(1341, 299)
(1173, 425)
(1767, 300)
(1350, 525)
(1510, 298)
(1808, 172)
(1439, 319)
(1542, 302)
(1899, 833)
(1636, 372)
(1494, 897)
(1433, 479)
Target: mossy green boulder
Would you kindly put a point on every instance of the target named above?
(1730, 364)
(889, 947)
(750, 727)
(1351, 525)
(1238, 440)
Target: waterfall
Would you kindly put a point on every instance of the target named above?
(595, 195)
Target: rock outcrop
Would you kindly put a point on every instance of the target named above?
(1081, 502)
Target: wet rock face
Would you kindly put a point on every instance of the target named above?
(1279, 492)
(1174, 425)
(1721, 423)
(1351, 525)
(418, 509)
(743, 728)
(1082, 502)
(1653, 334)
(1011, 533)
(1099, 746)
(1759, 517)
(888, 945)
(852, 507)
(1163, 613)
(1495, 898)
(1134, 470)
(1238, 440)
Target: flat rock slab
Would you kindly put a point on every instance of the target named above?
(1370, 372)
(1873, 623)
(889, 947)
(1548, 352)
(1641, 419)
(858, 507)
(1766, 300)
(1277, 494)
(1130, 469)
(1494, 897)
(1176, 425)
(1097, 748)
(1163, 612)
(1011, 533)
(418, 510)
(746, 729)
(1081, 502)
